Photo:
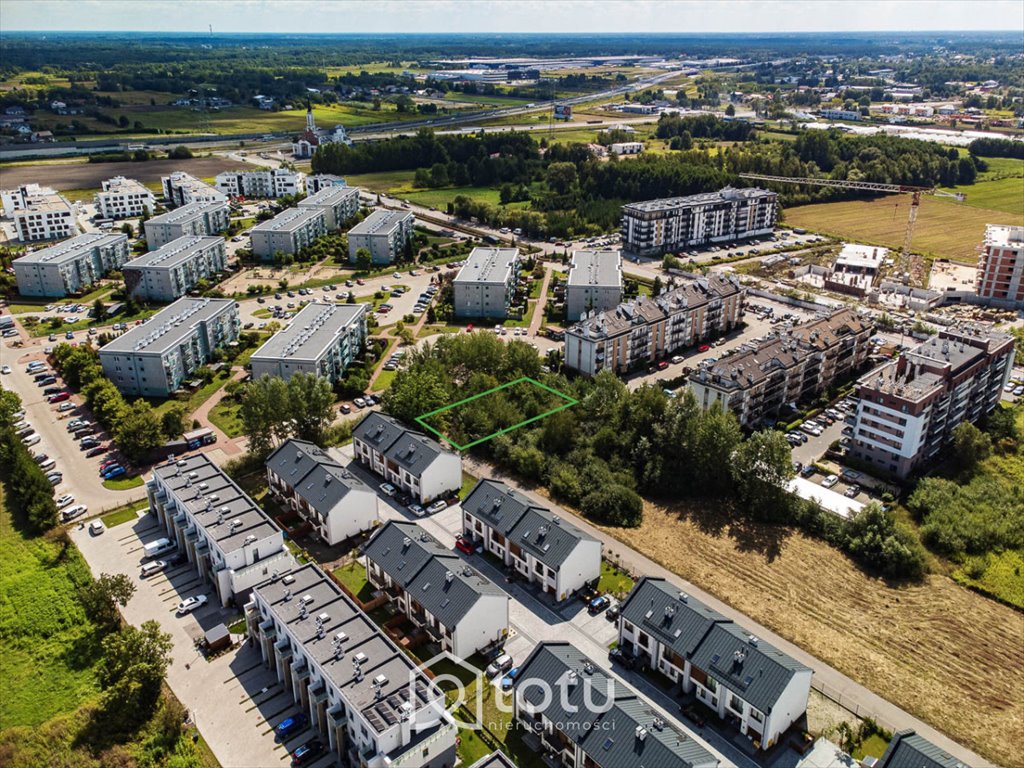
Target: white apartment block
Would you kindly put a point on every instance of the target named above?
(276, 182)
(70, 266)
(327, 496)
(383, 233)
(909, 407)
(318, 181)
(123, 198)
(182, 188)
(654, 227)
(154, 359)
(1001, 266)
(486, 284)
(366, 699)
(14, 200)
(461, 610)
(339, 204)
(193, 219)
(228, 539)
(626, 148)
(595, 283)
(409, 460)
(46, 216)
(172, 271)
(322, 340)
(288, 232)
(540, 546)
(640, 331)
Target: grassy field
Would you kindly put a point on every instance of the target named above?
(1000, 188)
(399, 183)
(123, 483)
(613, 580)
(944, 227)
(127, 513)
(353, 576)
(224, 416)
(996, 574)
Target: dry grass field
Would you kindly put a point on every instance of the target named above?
(944, 653)
(91, 175)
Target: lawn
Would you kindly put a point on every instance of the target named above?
(127, 513)
(399, 184)
(353, 576)
(123, 483)
(225, 416)
(384, 381)
(873, 746)
(468, 484)
(613, 580)
(1006, 195)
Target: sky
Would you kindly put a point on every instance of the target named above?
(539, 16)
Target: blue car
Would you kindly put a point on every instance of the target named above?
(113, 472)
(290, 727)
(509, 679)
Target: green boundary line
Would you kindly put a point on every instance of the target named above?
(570, 401)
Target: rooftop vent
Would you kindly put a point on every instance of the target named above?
(641, 732)
(307, 599)
(449, 577)
(289, 579)
(360, 658)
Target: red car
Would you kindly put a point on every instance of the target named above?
(703, 348)
(464, 546)
(662, 365)
(60, 397)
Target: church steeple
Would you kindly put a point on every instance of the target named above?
(310, 124)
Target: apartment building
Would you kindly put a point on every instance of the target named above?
(193, 219)
(154, 359)
(654, 227)
(744, 680)
(122, 198)
(70, 266)
(643, 330)
(318, 181)
(409, 460)
(757, 382)
(182, 188)
(1001, 266)
(322, 339)
(228, 539)
(458, 608)
(311, 482)
(339, 204)
(173, 270)
(585, 718)
(909, 407)
(288, 232)
(626, 148)
(856, 268)
(268, 182)
(541, 547)
(595, 283)
(908, 750)
(486, 284)
(45, 216)
(383, 233)
(366, 699)
(14, 200)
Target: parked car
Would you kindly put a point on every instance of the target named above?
(598, 604)
(613, 612)
(96, 527)
(96, 450)
(502, 663)
(190, 604)
(48, 464)
(345, 408)
(67, 405)
(308, 752)
(851, 492)
(115, 471)
(60, 397)
(829, 481)
(464, 545)
(72, 512)
(417, 510)
(63, 501)
(509, 679)
(436, 507)
(359, 402)
(677, 359)
(622, 656)
(88, 443)
(55, 478)
(387, 489)
(703, 347)
(152, 568)
(290, 726)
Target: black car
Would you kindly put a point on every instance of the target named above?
(52, 391)
(177, 558)
(47, 381)
(41, 376)
(622, 656)
(87, 443)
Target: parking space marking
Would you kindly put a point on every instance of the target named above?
(236, 677)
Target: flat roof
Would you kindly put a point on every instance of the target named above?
(826, 498)
(488, 265)
(122, 185)
(310, 332)
(596, 268)
(855, 255)
(72, 249)
(168, 327)
(43, 202)
(727, 194)
(176, 252)
(327, 196)
(998, 234)
(185, 213)
(380, 222)
(288, 220)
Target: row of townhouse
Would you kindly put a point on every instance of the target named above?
(486, 284)
(229, 540)
(758, 382)
(288, 232)
(269, 182)
(409, 460)
(454, 605)
(182, 188)
(383, 233)
(122, 198)
(338, 203)
(70, 266)
(176, 268)
(908, 408)
(584, 718)
(45, 216)
(744, 680)
(643, 330)
(535, 543)
(194, 219)
(367, 700)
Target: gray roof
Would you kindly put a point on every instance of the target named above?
(908, 750)
(70, 250)
(410, 450)
(494, 760)
(671, 617)
(184, 213)
(488, 265)
(380, 222)
(314, 474)
(288, 220)
(378, 430)
(312, 331)
(596, 268)
(728, 194)
(175, 252)
(329, 196)
(168, 327)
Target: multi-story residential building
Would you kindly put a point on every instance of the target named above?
(744, 680)
(1001, 266)
(46, 216)
(70, 266)
(459, 609)
(908, 750)
(318, 181)
(326, 495)
(339, 204)
(182, 188)
(756, 383)
(122, 198)
(228, 539)
(908, 408)
(585, 718)
(288, 232)
(407, 459)
(173, 270)
(654, 227)
(194, 219)
(541, 546)
(595, 283)
(14, 200)
(486, 284)
(856, 268)
(383, 233)
(322, 339)
(154, 359)
(643, 330)
(366, 699)
(269, 182)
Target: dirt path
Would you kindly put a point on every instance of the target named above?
(202, 413)
(538, 312)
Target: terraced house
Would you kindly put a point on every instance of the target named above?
(365, 698)
(322, 339)
(229, 540)
(449, 602)
(175, 269)
(70, 266)
(537, 544)
(194, 219)
(745, 681)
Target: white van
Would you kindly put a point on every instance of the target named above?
(157, 548)
(31, 440)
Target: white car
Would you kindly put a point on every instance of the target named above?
(437, 506)
(829, 481)
(96, 527)
(64, 500)
(417, 510)
(72, 512)
(67, 405)
(190, 604)
(387, 489)
(6, 369)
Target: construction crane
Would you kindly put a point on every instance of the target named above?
(908, 263)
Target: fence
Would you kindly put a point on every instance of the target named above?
(850, 704)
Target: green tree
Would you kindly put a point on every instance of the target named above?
(138, 431)
(875, 538)
(416, 391)
(133, 667)
(265, 414)
(309, 406)
(730, 111)
(100, 598)
(99, 311)
(172, 423)
(561, 177)
(615, 505)
(762, 466)
(970, 446)
(180, 152)
(364, 260)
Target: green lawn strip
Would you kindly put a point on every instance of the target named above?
(123, 483)
(384, 381)
(225, 416)
(353, 576)
(873, 746)
(123, 515)
(468, 483)
(44, 328)
(613, 580)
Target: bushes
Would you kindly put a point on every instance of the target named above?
(31, 493)
(877, 540)
(614, 505)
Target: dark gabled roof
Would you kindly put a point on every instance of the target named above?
(908, 750)
(673, 618)
(314, 474)
(378, 430)
(414, 452)
(401, 549)
(496, 504)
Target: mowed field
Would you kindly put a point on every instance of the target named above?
(945, 228)
(91, 175)
(942, 652)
